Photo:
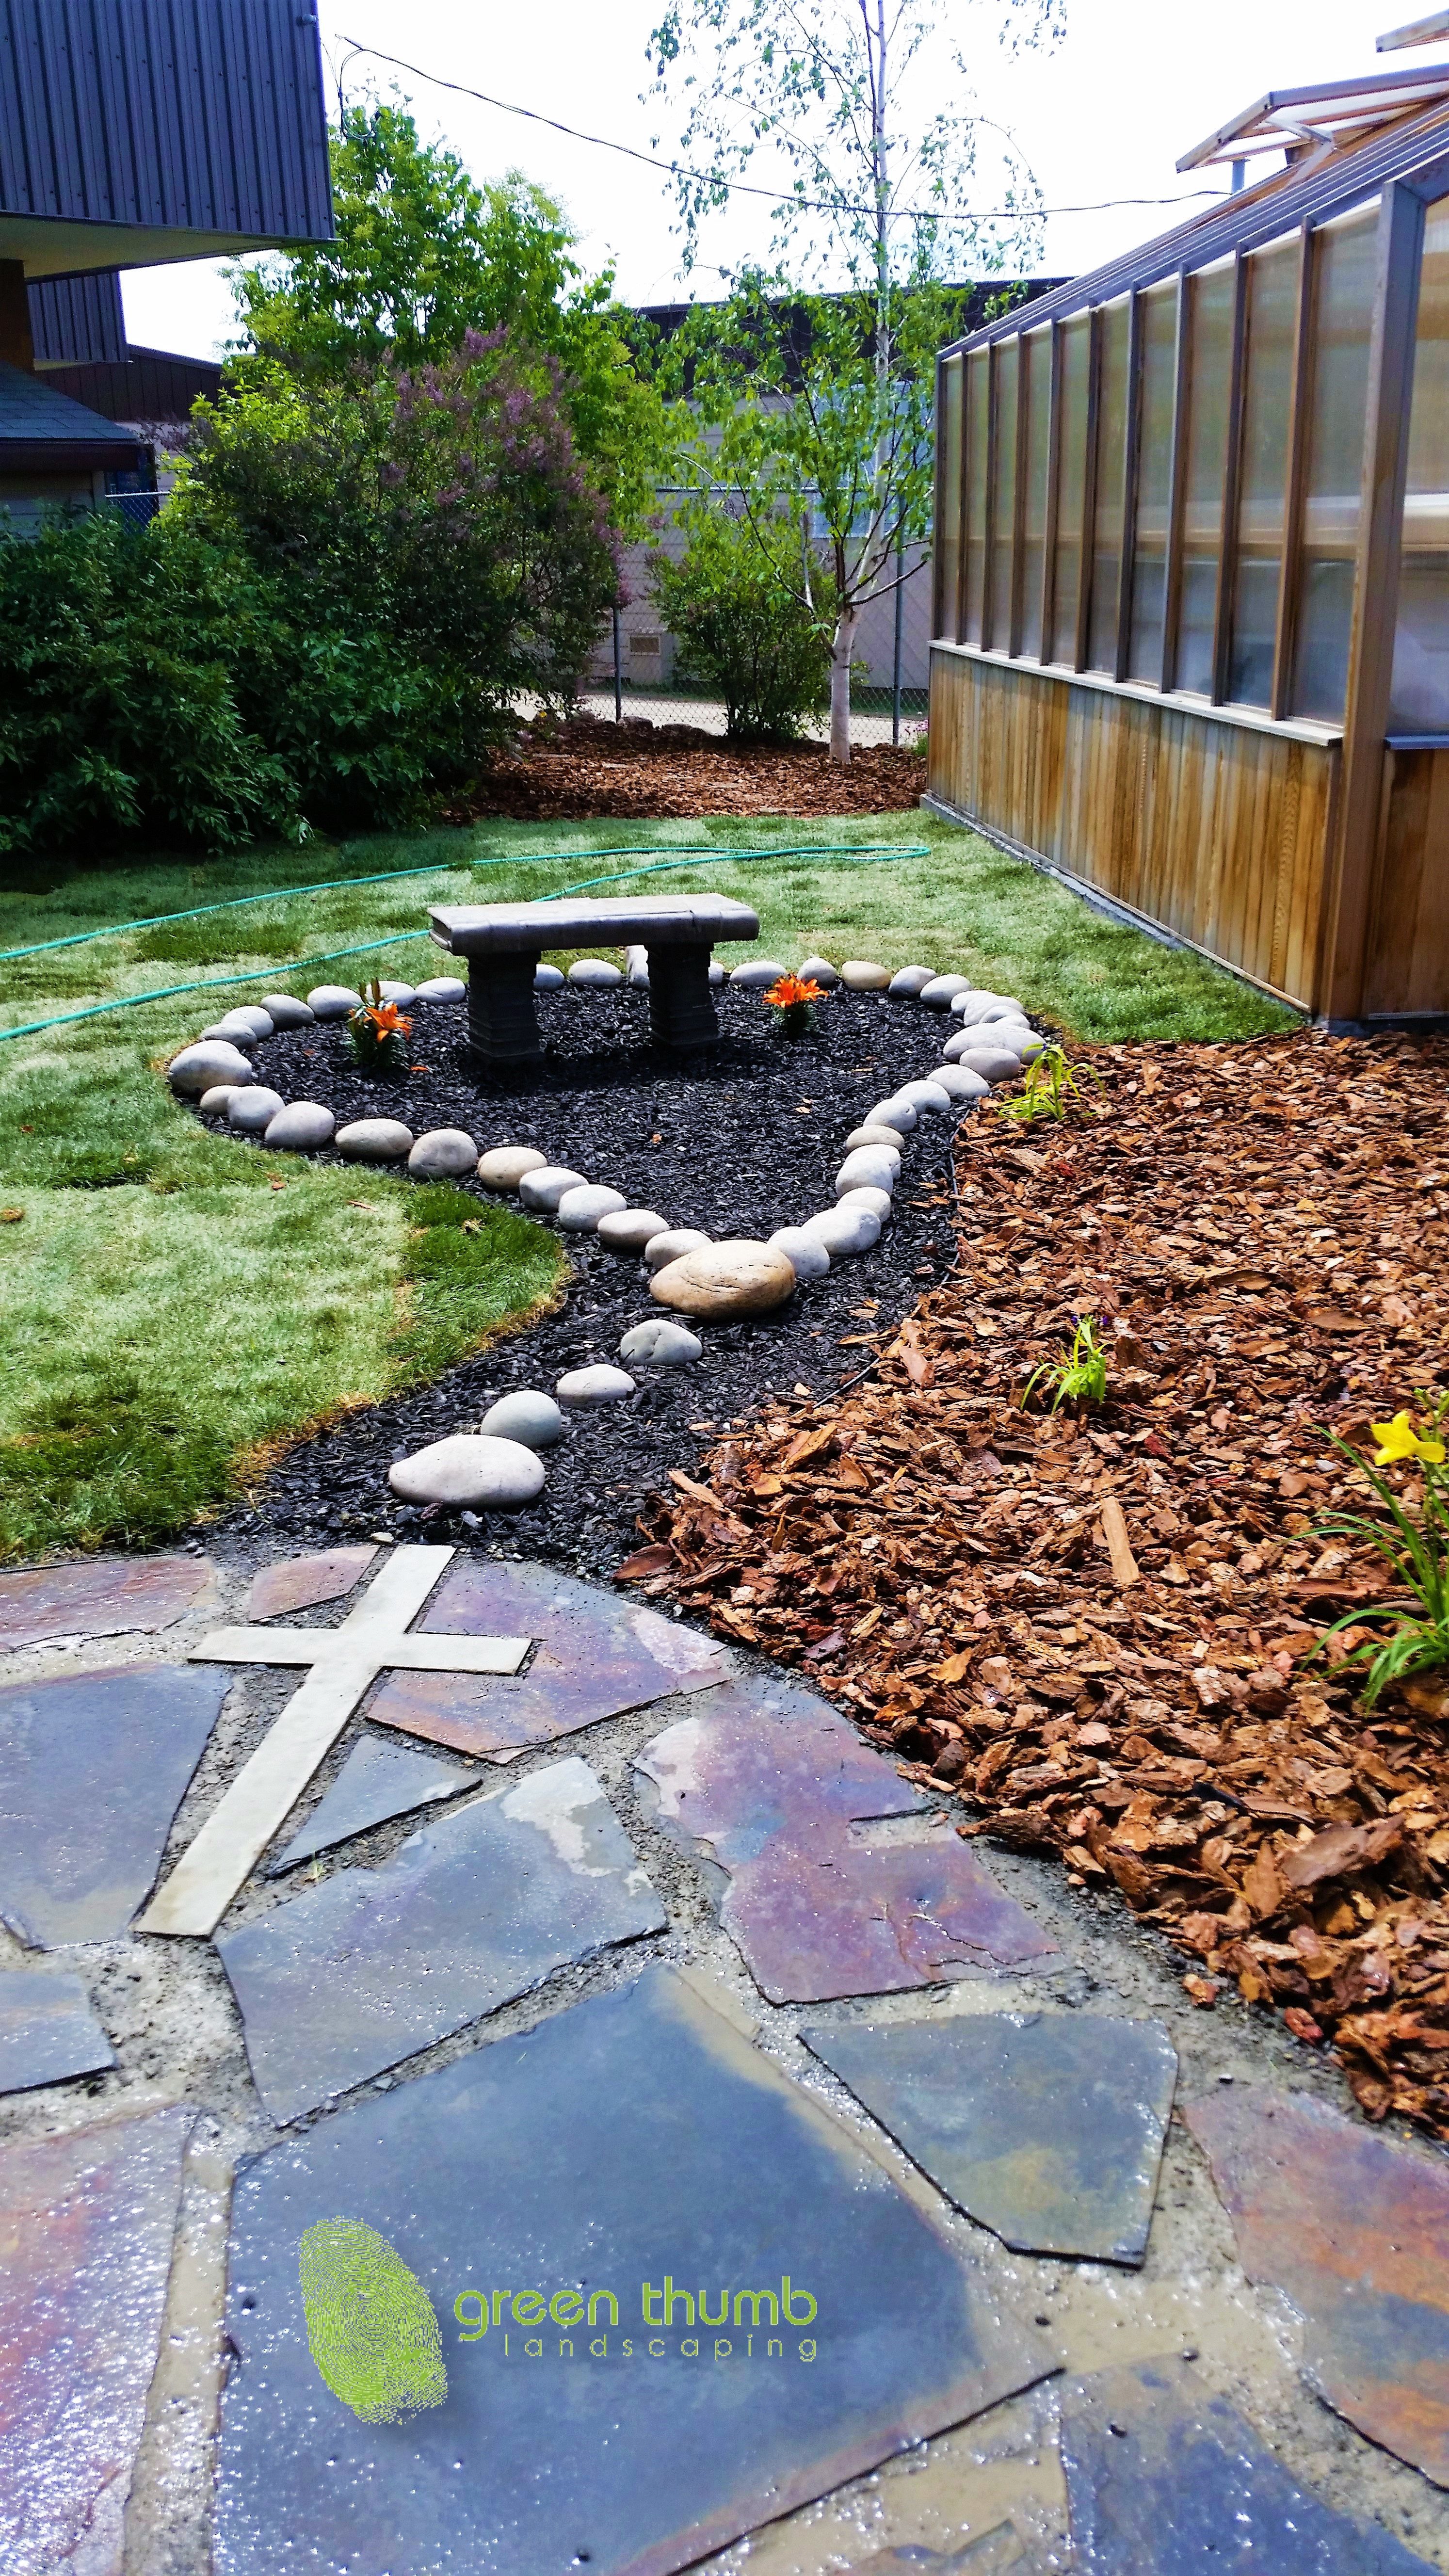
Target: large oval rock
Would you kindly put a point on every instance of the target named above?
(301, 1128)
(870, 1134)
(911, 981)
(248, 1023)
(722, 1279)
(444, 1154)
(527, 1415)
(213, 1060)
(375, 1140)
(993, 1063)
(402, 994)
(870, 1167)
(660, 1344)
(942, 990)
(253, 1111)
(579, 1210)
(673, 1244)
(757, 973)
(595, 973)
(818, 970)
(860, 975)
(630, 1229)
(441, 988)
(286, 1012)
(504, 1166)
(548, 979)
(878, 1201)
(543, 1187)
(469, 1470)
(845, 1230)
(597, 1385)
(962, 1083)
(214, 1102)
(805, 1253)
(926, 1095)
(971, 1008)
(333, 1001)
(898, 1114)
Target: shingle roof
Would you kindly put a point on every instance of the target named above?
(39, 427)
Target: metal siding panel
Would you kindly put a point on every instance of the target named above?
(219, 52)
(77, 320)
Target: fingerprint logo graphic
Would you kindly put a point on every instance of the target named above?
(370, 2323)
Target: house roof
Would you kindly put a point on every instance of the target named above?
(1326, 179)
(44, 431)
(1329, 111)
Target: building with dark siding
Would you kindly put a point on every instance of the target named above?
(133, 133)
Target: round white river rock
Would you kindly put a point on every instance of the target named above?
(600, 1384)
(443, 1154)
(375, 1140)
(911, 981)
(926, 1095)
(543, 1187)
(844, 1230)
(818, 970)
(673, 1244)
(757, 973)
(253, 1111)
(942, 990)
(993, 1063)
(870, 1167)
(527, 1415)
(548, 979)
(286, 1012)
(878, 1201)
(503, 1166)
(214, 1102)
(962, 1083)
(805, 1253)
(579, 1210)
(469, 1470)
(660, 1343)
(899, 1114)
(595, 972)
(629, 1229)
(301, 1128)
(860, 975)
(890, 1137)
(214, 1060)
(441, 988)
(333, 1001)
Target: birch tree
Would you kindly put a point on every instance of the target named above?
(850, 124)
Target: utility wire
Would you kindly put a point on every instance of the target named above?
(775, 196)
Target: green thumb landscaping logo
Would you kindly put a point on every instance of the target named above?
(370, 2323)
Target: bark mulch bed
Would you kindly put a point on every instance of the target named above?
(1100, 1633)
(642, 771)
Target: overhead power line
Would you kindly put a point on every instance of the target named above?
(743, 187)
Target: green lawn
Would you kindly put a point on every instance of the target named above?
(175, 1307)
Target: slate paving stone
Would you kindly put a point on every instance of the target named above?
(769, 1779)
(632, 2136)
(105, 1597)
(1165, 2479)
(1047, 2127)
(597, 1655)
(86, 2229)
(301, 1582)
(93, 1767)
(1355, 2231)
(377, 1781)
(47, 2031)
(348, 1979)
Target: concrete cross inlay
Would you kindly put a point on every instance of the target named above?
(342, 1664)
(675, 2297)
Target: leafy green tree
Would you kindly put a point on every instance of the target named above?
(818, 406)
(742, 629)
(424, 255)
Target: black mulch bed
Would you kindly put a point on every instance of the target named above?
(738, 1142)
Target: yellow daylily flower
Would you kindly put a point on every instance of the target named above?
(1398, 1439)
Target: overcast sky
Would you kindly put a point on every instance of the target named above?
(1105, 115)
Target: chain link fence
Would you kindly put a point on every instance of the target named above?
(637, 666)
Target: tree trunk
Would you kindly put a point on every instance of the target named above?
(841, 650)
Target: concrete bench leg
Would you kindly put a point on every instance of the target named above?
(681, 1013)
(502, 1026)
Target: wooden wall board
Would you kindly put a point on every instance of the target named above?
(1407, 965)
(1214, 828)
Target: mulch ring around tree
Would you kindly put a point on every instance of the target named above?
(1101, 1632)
(639, 770)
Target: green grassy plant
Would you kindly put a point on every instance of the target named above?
(1051, 1087)
(1075, 1376)
(1414, 1544)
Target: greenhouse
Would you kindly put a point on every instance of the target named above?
(1191, 611)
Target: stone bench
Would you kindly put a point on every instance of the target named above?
(504, 941)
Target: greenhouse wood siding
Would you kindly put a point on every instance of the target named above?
(1192, 576)
(1219, 831)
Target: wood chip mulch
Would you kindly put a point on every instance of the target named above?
(642, 771)
(1099, 1632)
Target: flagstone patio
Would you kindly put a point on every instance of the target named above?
(782, 2176)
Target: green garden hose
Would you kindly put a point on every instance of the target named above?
(865, 854)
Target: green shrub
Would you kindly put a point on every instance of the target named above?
(744, 632)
